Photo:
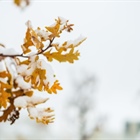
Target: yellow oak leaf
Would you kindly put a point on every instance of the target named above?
(29, 93)
(56, 86)
(64, 47)
(31, 39)
(26, 62)
(4, 98)
(27, 42)
(38, 44)
(37, 78)
(42, 76)
(4, 74)
(54, 30)
(5, 85)
(68, 57)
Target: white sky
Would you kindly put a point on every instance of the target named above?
(111, 51)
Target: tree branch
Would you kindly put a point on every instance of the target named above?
(25, 56)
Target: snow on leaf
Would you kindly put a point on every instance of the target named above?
(69, 44)
(31, 39)
(25, 101)
(79, 40)
(62, 20)
(2, 66)
(42, 34)
(22, 83)
(23, 73)
(36, 41)
(41, 115)
(28, 24)
(50, 76)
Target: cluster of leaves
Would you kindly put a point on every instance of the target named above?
(21, 74)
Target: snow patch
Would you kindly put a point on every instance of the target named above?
(21, 83)
(26, 101)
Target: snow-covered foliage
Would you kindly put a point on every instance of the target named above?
(21, 74)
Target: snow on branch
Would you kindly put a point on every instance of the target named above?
(21, 74)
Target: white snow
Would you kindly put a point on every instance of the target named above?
(22, 69)
(2, 50)
(21, 83)
(63, 20)
(20, 102)
(26, 101)
(75, 42)
(2, 66)
(63, 23)
(25, 70)
(28, 24)
(33, 112)
(3, 80)
(10, 51)
(40, 114)
(42, 34)
(33, 51)
(30, 69)
(49, 72)
(80, 39)
(33, 58)
(67, 44)
(10, 65)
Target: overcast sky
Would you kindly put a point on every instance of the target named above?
(111, 51)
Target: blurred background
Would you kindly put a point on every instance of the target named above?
(101, 96)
